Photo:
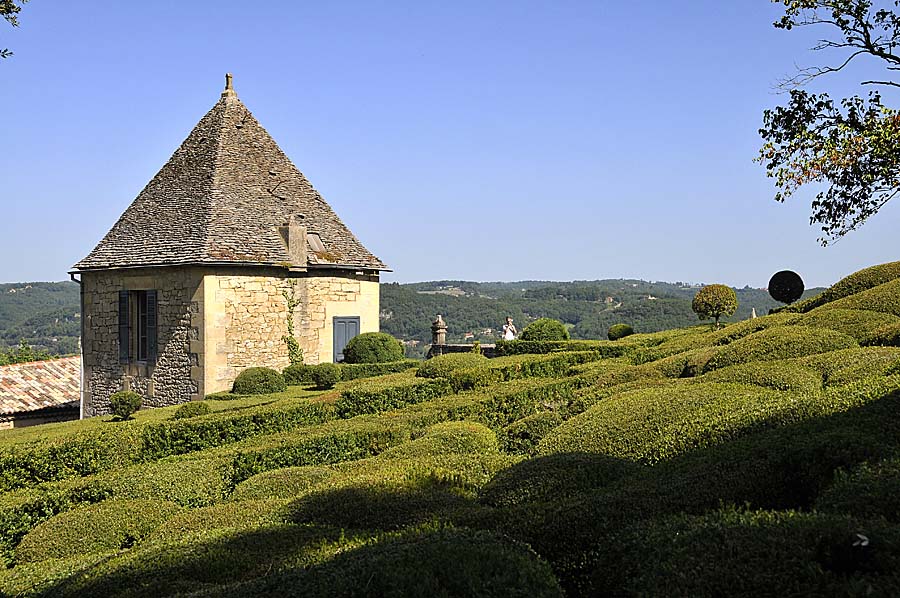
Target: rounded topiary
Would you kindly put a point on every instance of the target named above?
(617, 331)
(373, 347)
(325, 375)
(124, 403)
(296, 374)
(192, 409)
(259, 381)
(786, 286)
(715, 301)
(545, 329)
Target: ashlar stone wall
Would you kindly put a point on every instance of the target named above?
(175, 376)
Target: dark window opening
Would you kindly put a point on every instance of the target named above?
(137, 326)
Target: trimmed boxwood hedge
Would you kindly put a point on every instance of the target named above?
(606, 349)
(108, 526)
(859, 324)
(243, 515)
(868, 491)
(522, 436)
(373, 347)
(389, 393)
(656, 424)
(886, 336)
(780, 343)
(282, 483)
(738, 330)
(545, 329)
(841, 367)
(555, 365)
(301, 374)
(776, 375)
(857, 282)
(884, 298)
(442, 365)
(192, 409)
(449, 438)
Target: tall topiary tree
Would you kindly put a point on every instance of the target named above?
(715, 301)
(786, 286)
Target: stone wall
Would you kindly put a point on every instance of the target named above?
(246, 317)
(175, 376)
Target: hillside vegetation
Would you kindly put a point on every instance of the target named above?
(761, 458)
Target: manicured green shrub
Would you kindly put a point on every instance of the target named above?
(738, 330)
(355, 371)
(442, 365)
(617, 331)
(715, 301)
(552, 478)
(421, 562)
(783, 342)
(777, 375)
(545, 329)
(786, 286)
(105, 527)
(124, 404)
(259, 381)
(522, 436)
(683, 365)
(389, 393)
(297, 374)
(503, 369)
(837, 368)
(283, 483)
(606, 349)
(192, 409)
(859, 324)
(885, 336)
(325, 375)
(760, 553)
(656, 424)
(857, 282)
(246, 515)
(449, 438)
(373, 347)
(884, 298)
(867, 491)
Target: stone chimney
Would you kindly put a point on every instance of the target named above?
(293, 233)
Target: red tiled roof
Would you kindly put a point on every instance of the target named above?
(39, 384)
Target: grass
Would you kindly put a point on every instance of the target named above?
(739, 461)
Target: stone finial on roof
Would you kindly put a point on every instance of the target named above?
(229, 87)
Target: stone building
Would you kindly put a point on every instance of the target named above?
(193, 283)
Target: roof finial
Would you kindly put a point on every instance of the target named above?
(229, 89)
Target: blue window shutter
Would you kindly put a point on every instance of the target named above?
(124, 340)
(151, 326)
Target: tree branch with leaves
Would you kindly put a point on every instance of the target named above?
(852, 146)
(9, 10)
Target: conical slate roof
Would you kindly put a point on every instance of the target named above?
(220, 200)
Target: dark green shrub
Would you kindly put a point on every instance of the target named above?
(617, 331)
(108, 526)
(779, 375)
(715, 301)
(354, 371)
(259, 381)
(837, 368)
(522, 436)
(885, 336)
(782, 342)
(297, 374)
(867, 491)
(555, 365)
(192, 409)
(448, 438)
(884, 298)
(325, 375)
(545, 329)
(738, 330)
(373, 347)
(283, 483)
(124, 404)
(857, 282)
(442, 365)
(786, 286)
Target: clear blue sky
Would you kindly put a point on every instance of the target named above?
(540, 140)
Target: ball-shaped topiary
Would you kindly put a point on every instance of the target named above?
(617, 331)
(325, 375)
(124, 403)
(192, 409)
(545, 329)
(259, 381)
(786, 286)
(715, 301)
(373, 347)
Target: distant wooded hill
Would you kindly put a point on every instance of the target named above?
(46, 314)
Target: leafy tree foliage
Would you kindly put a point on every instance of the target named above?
(849, 145)
(545, 329)
(23, 354)
(9, 10)
(715, 301)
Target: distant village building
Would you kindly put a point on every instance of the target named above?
(39, 392)
(192, 284)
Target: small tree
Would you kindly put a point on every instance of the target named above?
(715, 301)
(786, 286)
(124, 404)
